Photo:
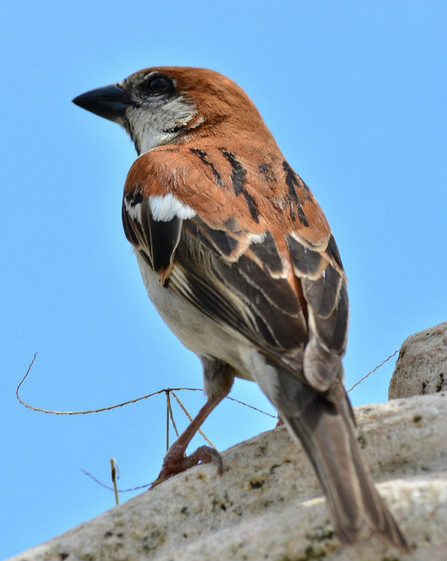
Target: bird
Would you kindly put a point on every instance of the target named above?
(241, 263)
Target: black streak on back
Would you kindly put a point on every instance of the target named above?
(266, 170)
(203, 156)
(239, 179)
(292, 182)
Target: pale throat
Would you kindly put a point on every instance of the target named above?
(156, 126)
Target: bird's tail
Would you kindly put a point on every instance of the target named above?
(325, 428)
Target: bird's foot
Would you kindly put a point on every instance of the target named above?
(175, 462)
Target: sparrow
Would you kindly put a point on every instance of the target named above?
(240, 262)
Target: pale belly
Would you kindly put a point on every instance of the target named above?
(195, 330)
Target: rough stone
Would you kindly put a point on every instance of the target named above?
(421, 368)
(267, 504)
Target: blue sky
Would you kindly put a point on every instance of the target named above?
(354, 93)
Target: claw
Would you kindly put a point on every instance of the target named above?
(176, 462)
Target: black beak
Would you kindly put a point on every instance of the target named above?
(109, 102)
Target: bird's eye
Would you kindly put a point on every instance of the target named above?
(158, 84)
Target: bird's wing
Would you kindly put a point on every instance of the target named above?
(239, 235)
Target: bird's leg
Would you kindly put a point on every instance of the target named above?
(218, 377)
(175, 460)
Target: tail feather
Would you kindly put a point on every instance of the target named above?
(326, 430)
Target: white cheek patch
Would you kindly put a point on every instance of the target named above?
(156, 123)
(165, 207)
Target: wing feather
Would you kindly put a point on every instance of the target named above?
(255, 253)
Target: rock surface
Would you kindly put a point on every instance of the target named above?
(421, 368)
(267, 504)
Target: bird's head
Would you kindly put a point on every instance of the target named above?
(159, 106)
